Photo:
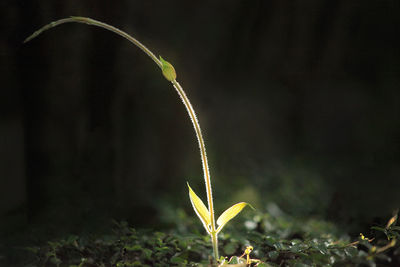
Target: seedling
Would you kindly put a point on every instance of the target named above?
(205, 215)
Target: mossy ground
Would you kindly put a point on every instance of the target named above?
(278, 240)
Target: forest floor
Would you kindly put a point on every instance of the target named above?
(272, 238)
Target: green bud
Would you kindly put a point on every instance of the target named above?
(167, 70)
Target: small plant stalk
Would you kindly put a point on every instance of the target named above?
(214, 240)
(206, 215)
(206, 171)
(97, 23)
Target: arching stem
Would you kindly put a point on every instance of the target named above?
(197, 129)
(182, 95)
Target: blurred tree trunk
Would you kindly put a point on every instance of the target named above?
(12, 146)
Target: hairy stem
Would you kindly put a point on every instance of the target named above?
(204, 160)
(100, 24)
(214, 240)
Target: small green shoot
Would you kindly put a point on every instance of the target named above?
(167, 70)
(206, 215)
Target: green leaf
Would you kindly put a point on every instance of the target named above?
(147, 253)
(178, 260)
(167, 70)
(273, 255)
(280, 246)
(200, 209)
(351, 251)
(133, 247)
(229, 214)
(230, 248)
(236, 260)
(378, 228)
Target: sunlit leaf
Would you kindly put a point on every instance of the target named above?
(391, 221)
(237, 261)
(378, 229)
(229, 214)
(200, 209)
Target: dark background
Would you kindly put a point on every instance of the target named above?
(298, 101)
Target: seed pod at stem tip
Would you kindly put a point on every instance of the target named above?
(167, 70)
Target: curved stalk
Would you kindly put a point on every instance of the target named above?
(196, 126)
(100, 24)
(182, 95)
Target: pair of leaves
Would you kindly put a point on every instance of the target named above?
(205, 216)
